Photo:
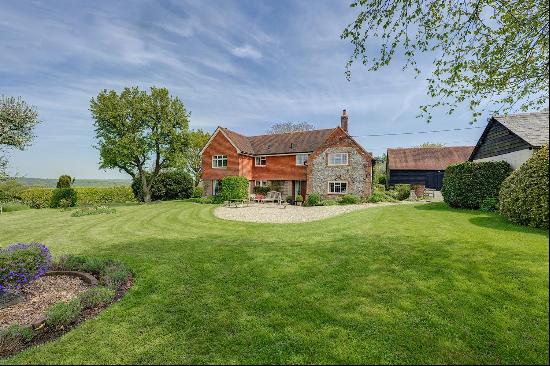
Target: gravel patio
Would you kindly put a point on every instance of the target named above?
(279, 214)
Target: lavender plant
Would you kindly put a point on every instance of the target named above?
(21, 263)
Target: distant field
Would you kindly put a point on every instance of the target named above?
(42, 182)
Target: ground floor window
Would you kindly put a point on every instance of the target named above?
(216, 187)
(337, 187)
(261, 183)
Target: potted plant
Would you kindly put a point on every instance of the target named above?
(299, 199)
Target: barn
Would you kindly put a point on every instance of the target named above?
(423, 165)
(512, 138)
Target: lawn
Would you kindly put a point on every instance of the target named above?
(398, 284)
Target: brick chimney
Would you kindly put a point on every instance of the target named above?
(344, 121)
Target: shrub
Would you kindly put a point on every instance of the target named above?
(96, 296)
(14, 337)
(198, 192)
(381, 179)
(89, 211)
(111, 273)
(12, 207)
(524, 195)
(63, 314)
(67, 194)
(64, 181)
(10, 190)
(263, 190)
(329, 202)
(489, 204)
(168, 185)
(299, 198)
(22, 263)
(350, 199)
(380, 187)
(313, 199)
(104, 195)
(468, 184)
(234, 187)
(378, 196)
(403, 191)
(37, 197)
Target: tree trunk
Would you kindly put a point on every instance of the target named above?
(145, 188)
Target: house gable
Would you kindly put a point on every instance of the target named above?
(220, 144)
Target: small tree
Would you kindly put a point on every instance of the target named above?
(285, 127)
(64, 181)
(192, 159)
(140, 133)
(17, 122)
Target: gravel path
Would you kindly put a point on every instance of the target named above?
(276, 214)
(40, 295)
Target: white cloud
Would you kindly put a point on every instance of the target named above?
(247, 51)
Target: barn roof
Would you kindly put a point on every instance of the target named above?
(531, 127)
(427, 158)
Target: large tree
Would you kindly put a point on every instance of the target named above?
(284, 127)
(140, 133)
(17, 122)
(490, 54)
(192, 159)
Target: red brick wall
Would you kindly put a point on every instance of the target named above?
(282, 167)
(219, 146)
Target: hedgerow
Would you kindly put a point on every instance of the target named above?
(42, 197)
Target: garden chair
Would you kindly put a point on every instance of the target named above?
(273, 196)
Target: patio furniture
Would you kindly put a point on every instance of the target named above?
(235, 202)
(429, 192)
(273, 196)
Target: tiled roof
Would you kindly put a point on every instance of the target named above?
(531, 127)
(427, 158)
(281, 143)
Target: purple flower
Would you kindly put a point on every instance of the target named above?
(21, 263)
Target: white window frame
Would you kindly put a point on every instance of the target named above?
(217, 159)
(339, 182)
(301, 156)
(261, 183)
(258, 161)
(333, 155)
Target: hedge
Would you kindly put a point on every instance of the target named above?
(234, 187)
(104, 195)
(469, 184)
(524, 194)
(63, 197)
(42, 197)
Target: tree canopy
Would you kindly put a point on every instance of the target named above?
(17, 122)
(490, 54)
(140, 133)
(192, 158)
(284, 127)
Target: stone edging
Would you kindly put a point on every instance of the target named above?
(88, 278)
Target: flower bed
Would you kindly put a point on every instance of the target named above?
(80, 301)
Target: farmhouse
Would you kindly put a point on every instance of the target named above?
(512, 138)
(423, 165)
(326, 161)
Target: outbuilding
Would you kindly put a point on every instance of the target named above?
(423, 165)
(512, 138)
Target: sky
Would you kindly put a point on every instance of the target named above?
(240, 64)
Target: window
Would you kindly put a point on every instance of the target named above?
(260, 161)
(260, 183)
(338, 159)
(301, 159)
(216, 187)
(337, 187)
(219, 161)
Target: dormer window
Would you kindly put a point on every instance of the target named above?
(260, 161)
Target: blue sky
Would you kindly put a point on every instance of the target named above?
(241, 64)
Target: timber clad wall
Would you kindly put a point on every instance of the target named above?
(499, 141)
